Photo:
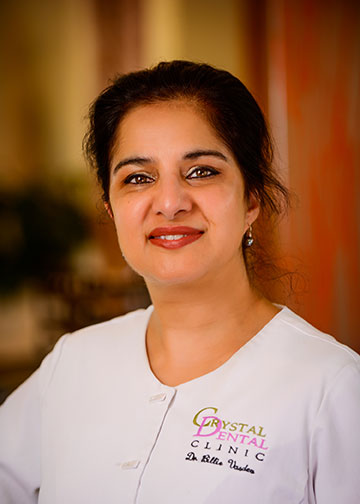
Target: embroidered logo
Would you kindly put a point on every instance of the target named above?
(225, 443)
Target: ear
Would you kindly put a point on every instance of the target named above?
(253, 209)
(109, 210)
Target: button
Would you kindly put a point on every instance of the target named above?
(158, 398)
(131, 464)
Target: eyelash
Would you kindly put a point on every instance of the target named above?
(202, 169)
(131, 179)
(143, 178)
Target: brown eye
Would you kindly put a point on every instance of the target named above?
(138, 179)
(201, 172)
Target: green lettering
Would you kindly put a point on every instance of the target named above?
(195, 420)
(260, 432)
(242, 425)
(252, 429)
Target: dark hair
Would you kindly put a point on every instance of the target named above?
(228, 105)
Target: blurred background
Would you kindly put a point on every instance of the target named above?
(60, 265)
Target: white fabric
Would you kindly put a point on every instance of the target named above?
(278, 423)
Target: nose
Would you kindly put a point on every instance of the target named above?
(171, 197)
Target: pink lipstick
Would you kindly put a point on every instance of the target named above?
(174, 237)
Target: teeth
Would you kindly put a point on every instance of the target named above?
(171, 237)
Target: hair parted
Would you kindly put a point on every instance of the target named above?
(228, 106)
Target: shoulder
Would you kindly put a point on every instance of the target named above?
(111, 343)
(116, 328)
(299, 348)
(311, 338)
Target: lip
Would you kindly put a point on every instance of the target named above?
(189, 235)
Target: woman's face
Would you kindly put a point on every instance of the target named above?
(176, 195)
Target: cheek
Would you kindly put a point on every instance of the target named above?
(224, 206)
(129, 215)
(227, 214)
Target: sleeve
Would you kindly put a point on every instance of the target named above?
(20, 436)
(335, 443)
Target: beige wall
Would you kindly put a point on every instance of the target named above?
(48, 54)
(204, 30)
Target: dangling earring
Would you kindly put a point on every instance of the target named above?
(249, 240)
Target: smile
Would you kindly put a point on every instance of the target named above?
(171, 237)
(175, 237)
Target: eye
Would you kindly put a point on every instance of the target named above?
(201, 172)
(138, 179)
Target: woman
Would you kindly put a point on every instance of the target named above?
(213, 392)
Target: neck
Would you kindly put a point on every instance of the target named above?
(206, 301)
(195, 328)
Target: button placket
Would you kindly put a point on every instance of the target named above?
(159, 404)
(163, 399)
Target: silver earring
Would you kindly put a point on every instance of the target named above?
(249, 240)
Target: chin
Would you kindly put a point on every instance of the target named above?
(171, 279)
(171, 276)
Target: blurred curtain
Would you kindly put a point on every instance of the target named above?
(313, 74)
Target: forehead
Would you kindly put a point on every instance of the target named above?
(169, 108)
(166, 123)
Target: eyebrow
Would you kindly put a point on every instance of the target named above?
(137, 160)
(140, 161)
(199, 153)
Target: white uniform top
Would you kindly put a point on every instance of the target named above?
(278, 423)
